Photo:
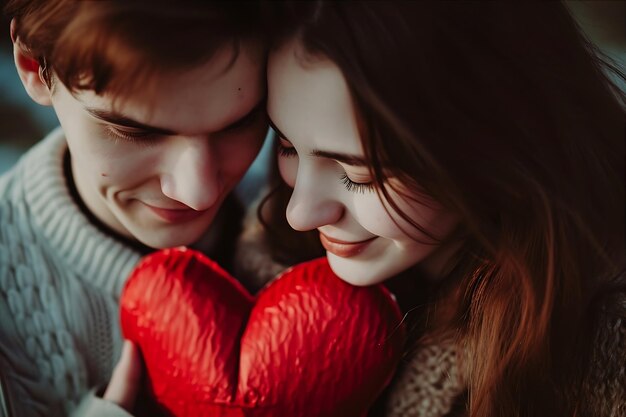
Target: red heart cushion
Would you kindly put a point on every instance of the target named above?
(309, 345)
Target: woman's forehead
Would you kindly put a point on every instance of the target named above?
(311, 105)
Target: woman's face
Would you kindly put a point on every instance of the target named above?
(322, 158)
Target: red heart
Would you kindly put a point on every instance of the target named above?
(311, 345)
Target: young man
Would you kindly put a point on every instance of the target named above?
(161, 106)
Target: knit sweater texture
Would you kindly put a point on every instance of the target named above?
(60, 281)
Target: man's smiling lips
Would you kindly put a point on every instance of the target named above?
(176, 215)
(342, 248)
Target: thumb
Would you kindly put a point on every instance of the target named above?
(126, 378)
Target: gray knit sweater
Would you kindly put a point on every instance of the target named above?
(60, 279)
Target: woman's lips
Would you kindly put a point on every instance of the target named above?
(175, 215)
(342, 248)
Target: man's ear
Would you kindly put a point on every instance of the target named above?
(29, 71)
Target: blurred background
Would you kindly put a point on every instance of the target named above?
(23, 122)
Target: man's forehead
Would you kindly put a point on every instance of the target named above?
(120, 119)
(158, 120)
(205, 98)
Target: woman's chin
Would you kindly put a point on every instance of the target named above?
(359, 272)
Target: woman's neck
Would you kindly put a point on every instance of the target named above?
(437, 265)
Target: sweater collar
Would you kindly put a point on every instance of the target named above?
(83, 248)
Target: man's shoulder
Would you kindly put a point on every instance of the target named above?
(14, 181)
(11, 194)
(18, 226)
(33, 159)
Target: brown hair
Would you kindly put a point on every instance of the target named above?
(117, 45)
(503, 112)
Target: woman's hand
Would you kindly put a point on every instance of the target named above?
(126, 379)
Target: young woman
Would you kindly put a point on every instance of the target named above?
(476, 152)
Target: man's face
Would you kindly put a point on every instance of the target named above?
(156, 166)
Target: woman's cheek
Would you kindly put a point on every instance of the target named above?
(370, 213)
(288, 168)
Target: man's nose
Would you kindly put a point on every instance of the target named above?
(192, 173)
(313, 203)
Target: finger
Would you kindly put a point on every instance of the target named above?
(126, 378)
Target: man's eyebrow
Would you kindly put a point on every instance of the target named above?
(121, 120)
(351, 160)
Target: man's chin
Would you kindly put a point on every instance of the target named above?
(163, 236)
(165, 243)
(171, 237)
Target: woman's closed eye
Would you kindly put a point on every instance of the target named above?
(355, 186)
(358, 185)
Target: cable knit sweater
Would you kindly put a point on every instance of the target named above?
(60, 281)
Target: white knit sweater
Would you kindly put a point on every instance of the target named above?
(60, 280)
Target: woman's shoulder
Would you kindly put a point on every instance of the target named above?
(612, 302)
(610, 325)
(604, 387)
(428, 381)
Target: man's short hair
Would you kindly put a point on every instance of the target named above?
(115, 46)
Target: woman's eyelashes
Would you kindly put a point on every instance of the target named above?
(357, 187)
(287, 151)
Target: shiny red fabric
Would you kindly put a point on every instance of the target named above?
(309, 345)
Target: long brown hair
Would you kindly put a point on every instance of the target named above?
(503, 112)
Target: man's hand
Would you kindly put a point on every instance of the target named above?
(126, 379)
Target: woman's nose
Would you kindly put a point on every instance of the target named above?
(312, 203)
